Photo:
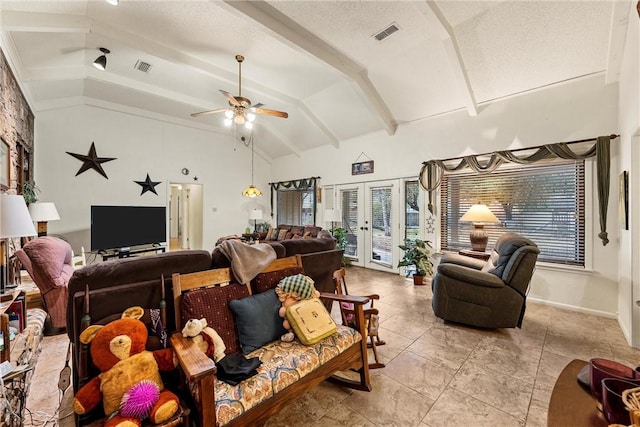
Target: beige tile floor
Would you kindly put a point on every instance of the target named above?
(437, 374)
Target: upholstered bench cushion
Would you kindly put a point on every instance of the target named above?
(265, 281)
(213, 304)
(283, 364)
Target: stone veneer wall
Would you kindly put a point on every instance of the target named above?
(16, 121)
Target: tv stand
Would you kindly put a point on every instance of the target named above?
(126, 253)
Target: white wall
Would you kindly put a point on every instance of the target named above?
(581, 109)
(629, 160)
(141, 145)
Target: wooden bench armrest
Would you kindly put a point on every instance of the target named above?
(355, 299)
(194, 363)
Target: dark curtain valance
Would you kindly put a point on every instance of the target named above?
(297, 184)
(432, 169)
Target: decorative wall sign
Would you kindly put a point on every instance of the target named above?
(623, 200)
(91, 161)
(148, 185)
(362, 167)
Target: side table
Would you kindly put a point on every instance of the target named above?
(570, 404)
(475, 254)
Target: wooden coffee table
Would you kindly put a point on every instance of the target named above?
(572, 405)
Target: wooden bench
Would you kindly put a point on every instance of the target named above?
(200, 371)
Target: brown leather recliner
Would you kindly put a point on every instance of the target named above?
(47, 259)
(489, 294)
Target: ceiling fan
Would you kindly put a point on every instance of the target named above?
(241, 111)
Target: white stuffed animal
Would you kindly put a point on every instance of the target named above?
(205, 337)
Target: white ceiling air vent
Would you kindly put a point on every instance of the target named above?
(392, 28)
(142, 66)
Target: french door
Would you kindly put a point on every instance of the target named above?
(370, 216)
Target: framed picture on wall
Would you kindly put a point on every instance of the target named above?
(623, 200)
(362, 168)
(4, 165)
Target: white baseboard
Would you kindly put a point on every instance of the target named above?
(575, 308)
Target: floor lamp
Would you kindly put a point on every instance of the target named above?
(255, 215)
(15, 222)
(42, 212)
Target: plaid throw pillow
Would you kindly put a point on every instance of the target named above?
(299, 285)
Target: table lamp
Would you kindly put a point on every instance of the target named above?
(479, 214)
(332, 216)
(15, 222)
(42, 212)
(255, 215)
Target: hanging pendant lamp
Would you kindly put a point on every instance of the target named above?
(251, 191)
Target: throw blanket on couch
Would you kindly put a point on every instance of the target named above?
(247, 260)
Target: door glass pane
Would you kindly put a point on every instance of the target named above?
(380, 228)
(349, 209)
(411, 210)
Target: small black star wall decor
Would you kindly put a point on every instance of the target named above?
(148, 185)
(91, 161)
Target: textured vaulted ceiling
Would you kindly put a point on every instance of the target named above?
(317, 60)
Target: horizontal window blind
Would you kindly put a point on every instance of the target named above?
(295, 207)
(543, 201)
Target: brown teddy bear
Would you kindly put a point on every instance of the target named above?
(129, 384)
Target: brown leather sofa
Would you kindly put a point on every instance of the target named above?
(118, 284)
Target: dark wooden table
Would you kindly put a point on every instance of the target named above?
(572, 405)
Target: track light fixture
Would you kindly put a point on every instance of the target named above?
(101, 61)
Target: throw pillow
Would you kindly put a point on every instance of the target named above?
(282, 234)
(257, 320)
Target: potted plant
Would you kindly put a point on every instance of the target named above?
(29, 192)
(340, 234)
(417, 253)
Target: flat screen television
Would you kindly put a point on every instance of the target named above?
(120, 227)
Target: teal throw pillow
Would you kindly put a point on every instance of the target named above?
(257, 320)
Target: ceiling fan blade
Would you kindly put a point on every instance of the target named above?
(272, 112)
(258, 105)
(231, 98)
(204, 113)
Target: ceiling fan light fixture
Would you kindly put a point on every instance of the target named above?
(228, 122)
(239, 119)
(228, 114)
(248, 125)
(251, 117)
(101, 61)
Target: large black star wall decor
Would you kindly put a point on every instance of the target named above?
(148, 185)
(91, 161)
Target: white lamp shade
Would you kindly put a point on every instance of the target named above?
(15, 220)
(255, 214)
(43, 211)
(479, 213)
(332, 215)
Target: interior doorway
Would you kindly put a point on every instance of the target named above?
(185, 216)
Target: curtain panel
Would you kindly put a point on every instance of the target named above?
(298, 184)
(486, 163)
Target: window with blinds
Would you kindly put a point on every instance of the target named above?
(543, 201)
(411, 210)
(295, 207)
(349, 209)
